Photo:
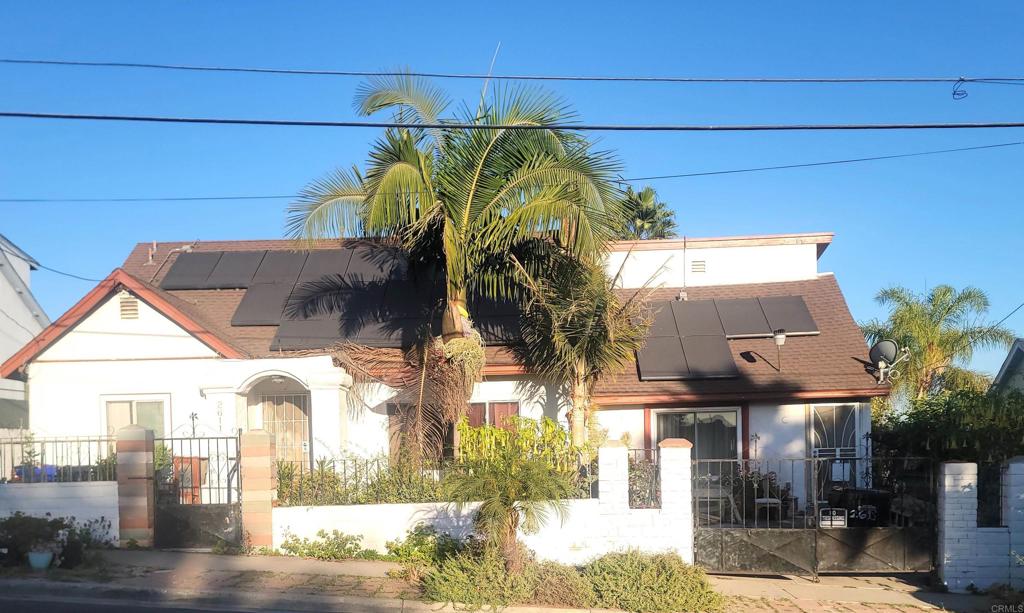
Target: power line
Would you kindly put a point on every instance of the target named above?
(826, 163)
(629, 180)
(53, 270)
(558, 126)
(17, 323)
(512, 77)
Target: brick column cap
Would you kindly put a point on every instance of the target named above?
(677, 443)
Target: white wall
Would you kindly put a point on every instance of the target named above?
(723, 265)
(623, 421)
(591, 528)
(19, 325)
(84, 501)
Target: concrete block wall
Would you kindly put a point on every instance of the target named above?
(86, 501)
(591, 528)
(969, 556)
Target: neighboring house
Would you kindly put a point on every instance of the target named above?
(1011, 373)
(21, 319)
(190, 337)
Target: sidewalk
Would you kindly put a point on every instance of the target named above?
(280, 582)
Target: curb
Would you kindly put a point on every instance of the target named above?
(43, 589)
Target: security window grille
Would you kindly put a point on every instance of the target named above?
(145, 413)
(492, 413)
(286, 416)
(129, 307)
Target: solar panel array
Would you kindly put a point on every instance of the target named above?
(688, 339)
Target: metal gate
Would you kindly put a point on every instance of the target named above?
(198, 492)
(814, 515)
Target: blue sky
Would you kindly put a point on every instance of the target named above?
(917, 222)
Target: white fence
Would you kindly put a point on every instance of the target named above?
(85, 501)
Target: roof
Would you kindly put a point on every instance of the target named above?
(191, 317)
(16, 251)
(21, 288)
(826, 365)
(1011, 363)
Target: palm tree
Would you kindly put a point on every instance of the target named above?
(941, 330)
(516, 492)
(474, 199)
(645, 216)
(576, 329)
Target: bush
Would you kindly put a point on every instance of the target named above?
(334, 546)
(635, 581)
(359, 481)
(558, 585)
(70, 541)
(422, 548)
(476, 576)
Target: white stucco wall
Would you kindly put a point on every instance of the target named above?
(20, 324)
(722, 265)
(623, 424)
(84, 501)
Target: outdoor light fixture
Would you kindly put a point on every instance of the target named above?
(780, 340)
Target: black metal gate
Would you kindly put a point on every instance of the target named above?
(198, 492)
(814, 515)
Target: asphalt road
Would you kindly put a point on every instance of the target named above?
(44, 604)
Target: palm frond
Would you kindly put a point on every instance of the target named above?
(329, 207)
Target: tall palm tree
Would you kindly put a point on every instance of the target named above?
(576, 329)
(941, 330)
(474, 199)
(646, 216)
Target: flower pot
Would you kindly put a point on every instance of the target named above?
(40, 560)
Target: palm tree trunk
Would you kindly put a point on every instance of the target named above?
(580, 401)
(454, 323)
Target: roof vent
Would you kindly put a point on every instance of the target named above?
(698, 266)
(129, 307)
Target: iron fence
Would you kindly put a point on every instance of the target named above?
(825, 492)
(384, 480)
(58, 460)
(644, 479)
(197, 470)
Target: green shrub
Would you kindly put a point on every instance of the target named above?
(69, 540)
(334, 546)
(476, 576)
(559, 585)
(421, 549)
(635, 581)
(359, 481)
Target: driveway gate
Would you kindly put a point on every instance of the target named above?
(814, 515)
(198, 492)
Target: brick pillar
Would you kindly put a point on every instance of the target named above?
(677, 494)
(259, 486)
(958, 524)
(1013, 517)
(135, 505)
(613, 478)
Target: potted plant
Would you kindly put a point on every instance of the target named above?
(43, 551)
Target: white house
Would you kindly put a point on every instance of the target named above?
(192, 337)
(21, 319)
(1011, 374)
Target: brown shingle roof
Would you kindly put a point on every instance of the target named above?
(826, 365)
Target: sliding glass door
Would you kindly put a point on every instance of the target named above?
(713, 433)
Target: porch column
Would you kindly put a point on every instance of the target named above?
(135, 495)
(327, 413)
(677, 494)
(958, 524)
(259, 485)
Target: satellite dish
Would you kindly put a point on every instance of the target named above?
(884, 355)
(884, 350)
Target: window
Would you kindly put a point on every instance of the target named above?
(713, 433)
(492, 413)
(835, 431)
(146, 413)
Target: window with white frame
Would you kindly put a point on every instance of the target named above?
(147, 413)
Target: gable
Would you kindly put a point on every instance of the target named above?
(105, 335)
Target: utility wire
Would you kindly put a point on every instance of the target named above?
(17, 323)
(558, 126)
(53, 270)
(511, 77)
(630, 180)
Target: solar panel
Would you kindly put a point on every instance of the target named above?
(789, 313)
(664, 323)
(323, 332)
(262, 305)
(325, 263)
(696, 317)
(743, 318)
(709, 357)
(280, 267)
(190, 270)
(235, 270)
(662, 359)
(498, 329)
(371, 262)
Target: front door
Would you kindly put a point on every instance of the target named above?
(286, 416)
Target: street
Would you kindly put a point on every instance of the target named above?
(48, 604)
